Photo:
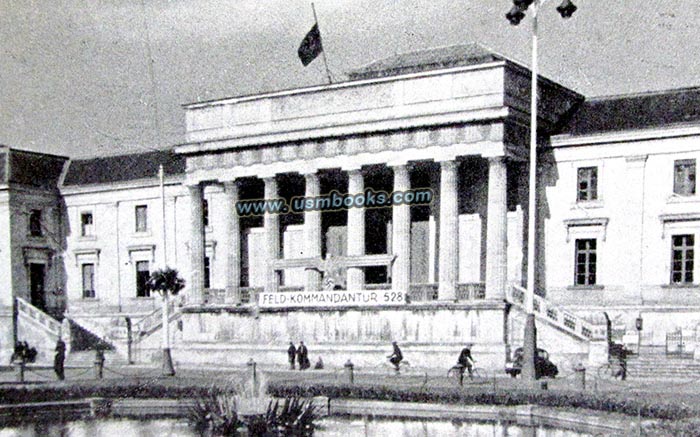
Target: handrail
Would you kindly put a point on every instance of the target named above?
(559, 317)
(37, 315)
(155, 318)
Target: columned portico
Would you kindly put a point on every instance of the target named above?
(401, 233)
(312, 233)
(271, 223)
(355, 231)
(233, 240)
(196, 242)
(449, 231)
(497, 229)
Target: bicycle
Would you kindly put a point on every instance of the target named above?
(457, 371)
(613, 369)
(404, 366)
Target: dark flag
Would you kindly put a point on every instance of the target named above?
(311, 46)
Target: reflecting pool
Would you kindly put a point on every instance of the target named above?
(327, 427)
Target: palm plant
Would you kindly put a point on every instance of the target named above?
(166, 281)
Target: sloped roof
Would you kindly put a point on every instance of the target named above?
(423, 60)
(122, 168)
(635, 111)
(29, 168)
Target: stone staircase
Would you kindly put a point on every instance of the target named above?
(38, 329)
(143, 329)
(656, 364)
(555, 316)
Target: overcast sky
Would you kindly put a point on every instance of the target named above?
(74, 74)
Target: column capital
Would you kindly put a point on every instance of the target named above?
(351, 167)
(445, 157)
(449, 164)
(228, 185)
(308, 169)
(313, 176)
(496, 159)
(195, 188)
(354, 171)
(397, 163)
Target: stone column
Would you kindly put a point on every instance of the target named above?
(196, 243)
(401, 234)
(356, 231)
(497, 230)
(232, 232)
(272, 236)
(449, 231)
(312, 233)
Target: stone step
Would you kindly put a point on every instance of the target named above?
(663, 366)
(666, 369)
(87, 358)
(663, 363)
(664, 375)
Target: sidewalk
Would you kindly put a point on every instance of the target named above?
(665, 388)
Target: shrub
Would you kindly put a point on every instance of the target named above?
(626, 403)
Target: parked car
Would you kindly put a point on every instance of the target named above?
(543, 367)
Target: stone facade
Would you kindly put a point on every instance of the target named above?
(616, 207)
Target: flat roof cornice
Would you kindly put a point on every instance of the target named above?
(342, 85)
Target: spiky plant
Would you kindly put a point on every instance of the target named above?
(294, 417)
(218, 411)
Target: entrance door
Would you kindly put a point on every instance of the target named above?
(36, 285)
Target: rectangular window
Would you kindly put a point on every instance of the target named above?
(141, 218)
(88, 281)
(142, 275)
(587, 184)
(207, 272)
(684, 177)
(205, 212)
(682, 254)
(86, 224)
(35, 223)
(586, 259)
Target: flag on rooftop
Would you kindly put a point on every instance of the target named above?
(311, 46)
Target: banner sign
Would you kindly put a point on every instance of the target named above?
(330, 298)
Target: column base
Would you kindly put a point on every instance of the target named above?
(168, 369)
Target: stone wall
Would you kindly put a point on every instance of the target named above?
(429, 335)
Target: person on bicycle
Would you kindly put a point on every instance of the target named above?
(465, 361)
(396, 356)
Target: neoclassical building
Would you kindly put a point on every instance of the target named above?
(617, 218)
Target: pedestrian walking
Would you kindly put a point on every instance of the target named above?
(303, 356)
(59, 360)
(291, 355)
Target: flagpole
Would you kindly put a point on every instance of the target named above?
(323, 52)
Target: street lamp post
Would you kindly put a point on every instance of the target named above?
(168, 369)
(514, 16)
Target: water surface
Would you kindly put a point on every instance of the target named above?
(327, 427)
